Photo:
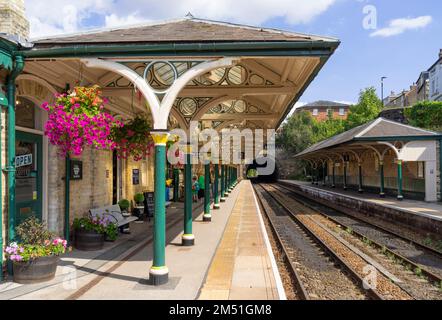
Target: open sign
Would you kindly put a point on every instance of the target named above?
(23, 160)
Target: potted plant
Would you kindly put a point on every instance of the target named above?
(139, 199)
(36, 257)
(91, 232)
(77, 120)
(124, 206)
(133, 139)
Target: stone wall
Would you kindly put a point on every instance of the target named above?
(12, 18)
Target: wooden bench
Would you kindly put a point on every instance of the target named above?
(114, 212)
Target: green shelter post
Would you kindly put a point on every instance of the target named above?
(188, 238)
(67, 198)
(176, 184)
(360, 189)
(399, 180)
(333, 175)
(207, 214)
(227, 191)
(159, 273)
(223, 183)
(216, 188)
(381, 172)
(345, 175)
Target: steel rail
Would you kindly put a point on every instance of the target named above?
(436, 279)
(371, 292)
(301, 291)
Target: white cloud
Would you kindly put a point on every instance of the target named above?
(60, 16)
(113, 20)
(398, 26)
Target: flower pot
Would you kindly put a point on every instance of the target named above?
(88, 240)
(38, 270)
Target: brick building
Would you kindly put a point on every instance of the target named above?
(322, 110)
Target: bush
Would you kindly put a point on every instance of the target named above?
(99, 224)
(124, 204)
(35, 242)
(139, 198)
(32, 231)
(427, 115)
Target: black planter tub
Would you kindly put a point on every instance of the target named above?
(88, 240)
(35, 271)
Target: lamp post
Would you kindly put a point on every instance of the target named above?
(382, 90)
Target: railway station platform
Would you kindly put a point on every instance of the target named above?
(425, 217)
(231, 258)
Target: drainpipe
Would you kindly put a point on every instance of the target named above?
(10, 166)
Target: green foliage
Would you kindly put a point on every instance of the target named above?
(368, 108)
(33, 232)
(427, 115)
(124, 204)
(112, 231)
(139, 198)
(99, 224)
(297, 132)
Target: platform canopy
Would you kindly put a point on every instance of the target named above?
(378, 136)
(219, 73)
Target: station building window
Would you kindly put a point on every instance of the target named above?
(315, 112)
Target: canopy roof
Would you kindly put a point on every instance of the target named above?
(182, 30)
(380, 129)
(323, 103)
(274, 68)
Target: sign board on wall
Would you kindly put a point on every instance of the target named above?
(135, 177)
(76, 170)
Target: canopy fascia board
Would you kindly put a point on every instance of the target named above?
(299, 48)
(400, 138)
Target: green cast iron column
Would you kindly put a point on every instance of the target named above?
(207, 215)
(381, 172)
(216, 194)
(324, 173)
(159, 273)
(67, 198)
(345, 175)
(227, 191)
(333, 175)
(223, 183)
(399, 180)
(188, 238)
(176, 184)
(360, 190)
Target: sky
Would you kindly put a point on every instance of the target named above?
(396, 38)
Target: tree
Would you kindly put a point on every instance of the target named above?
(297, 133)
(368, 108)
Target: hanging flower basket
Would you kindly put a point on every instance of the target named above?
(77, 120)
(133, 139)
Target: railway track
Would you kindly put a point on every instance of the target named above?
(318, 272)
(425, 261)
